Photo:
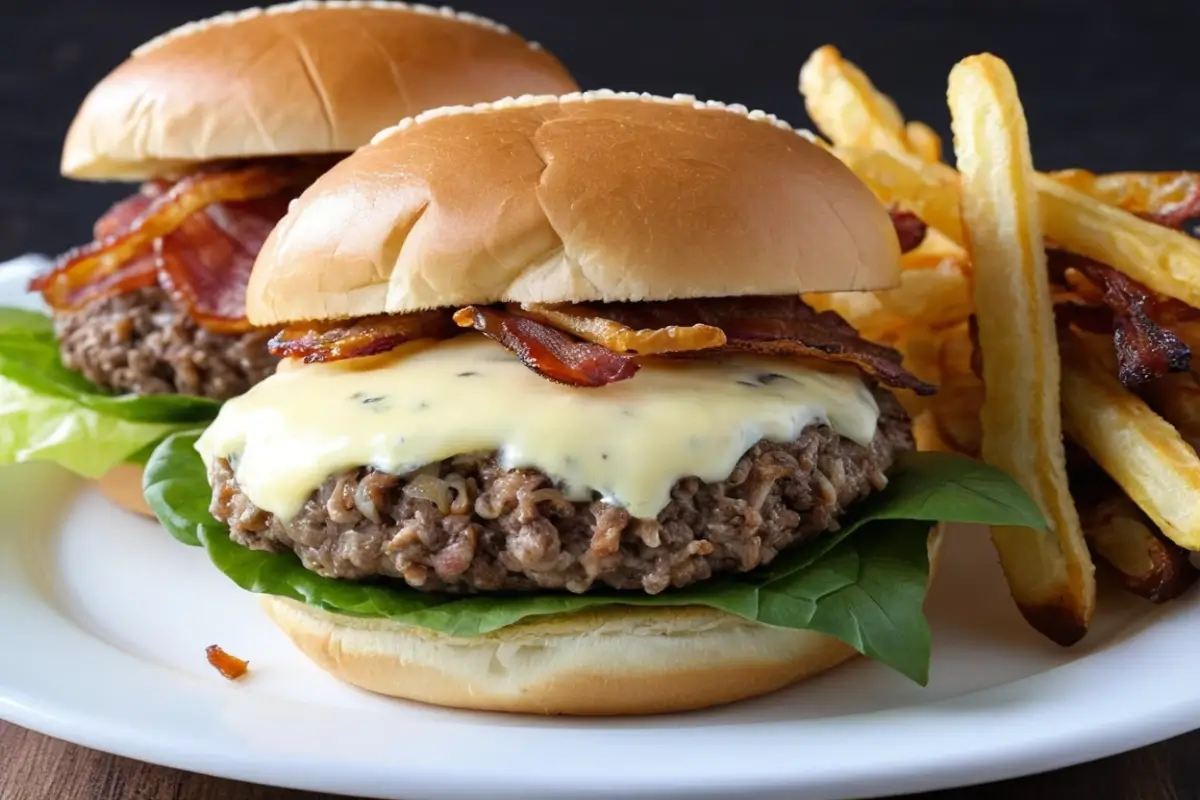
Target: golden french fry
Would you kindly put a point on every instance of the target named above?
(935, 248)
(1176, 398)
(923, 141)
(1124, 538)
(1165, 260)
(1159, 193)
(1050, 573)
(928, 190)
(930, 297)
(1138, 449)
(926, 433)
(958, 404)
(847, 108)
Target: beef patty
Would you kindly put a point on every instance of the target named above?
(467, 524)
(141, 342)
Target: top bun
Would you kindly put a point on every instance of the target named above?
(587, 197)
(301, 78)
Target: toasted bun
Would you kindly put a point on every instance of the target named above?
(299, 78)
(122, 485)
(587, 197)
(612, 661)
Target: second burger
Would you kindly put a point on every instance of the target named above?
(222, 122)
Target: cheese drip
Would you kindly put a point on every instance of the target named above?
(629, 442)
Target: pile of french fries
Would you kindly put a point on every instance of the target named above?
(1116, 473)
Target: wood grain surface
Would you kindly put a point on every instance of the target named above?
(35, 767)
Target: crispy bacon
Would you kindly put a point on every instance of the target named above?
(210, 212)
(769, 325)
(910, 228)
(230, 667)
(549, 352)
(576, 320)
(782, 325)
(123, 212)
(1145, 350)
(205, 263)
(366, 336)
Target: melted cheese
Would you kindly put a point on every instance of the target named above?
(629, 442)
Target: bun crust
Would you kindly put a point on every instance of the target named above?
(122, 485)
(589, 197)
(612, 661)
(301, 78)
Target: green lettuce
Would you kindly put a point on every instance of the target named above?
(864, 584)
(51, 413)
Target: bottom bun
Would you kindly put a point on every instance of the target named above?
(122, 485)
(607, 662)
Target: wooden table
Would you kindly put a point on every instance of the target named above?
(34, 767)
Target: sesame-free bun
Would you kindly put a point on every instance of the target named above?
(122, 486)
(611, 661)
(597, 196)
(300, 78)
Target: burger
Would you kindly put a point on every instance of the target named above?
(221, 123)
(554, 430)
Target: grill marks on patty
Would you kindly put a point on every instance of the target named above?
(467, 524)
(142, 342)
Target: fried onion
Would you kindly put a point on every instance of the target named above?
(355, 338)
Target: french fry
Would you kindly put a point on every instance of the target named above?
(1124, 538)
(1165, 195)
(1176, 398)
(1138, 449)
(923, 141)
(928, 190)
(1165, 260)
(958, 404)
(846, 106)
(1050, 573)
(935, 248)
(927, 435)
(938, 295)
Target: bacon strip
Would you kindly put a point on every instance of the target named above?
(367, 336)
(910, 228)
(230, 667)
(1145, 350)
(774, 326)
(576, 320)
(205, 263)
(123, 212)
(134, 228)
(549, 352)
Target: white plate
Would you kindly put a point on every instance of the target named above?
(104, 619)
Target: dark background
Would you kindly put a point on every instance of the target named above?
(1106, 84)
(1109, 85)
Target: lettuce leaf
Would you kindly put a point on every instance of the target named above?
(51, 413)
(864, 584)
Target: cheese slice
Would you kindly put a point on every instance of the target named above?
(629, 442)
